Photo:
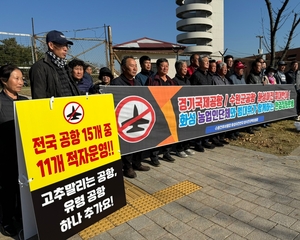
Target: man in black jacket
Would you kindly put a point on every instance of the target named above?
(129, 70)
(50, 76)
(202, 77)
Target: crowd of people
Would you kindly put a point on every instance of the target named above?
(52, 76)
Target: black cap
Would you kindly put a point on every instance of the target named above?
(57, 37)
(105, 72)
(280, 63)
(270, 69)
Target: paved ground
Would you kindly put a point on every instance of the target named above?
(245, 195)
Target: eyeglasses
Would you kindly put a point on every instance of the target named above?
(59, 46)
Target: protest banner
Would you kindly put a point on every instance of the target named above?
(155, 116)
(69, 164)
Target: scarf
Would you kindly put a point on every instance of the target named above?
(61, 63)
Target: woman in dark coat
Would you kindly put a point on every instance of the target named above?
(11, 81)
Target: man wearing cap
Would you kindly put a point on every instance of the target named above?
(280, 75)
(238, 76)
(50, 75)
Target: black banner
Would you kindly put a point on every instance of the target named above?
(148, 117)
(69, 206)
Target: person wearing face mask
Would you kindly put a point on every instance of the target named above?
(270, 76)
(270, 72)
(105, 76)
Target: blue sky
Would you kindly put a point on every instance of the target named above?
(133, 19)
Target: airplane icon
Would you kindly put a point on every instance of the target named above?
(135, 125)
(74, 115)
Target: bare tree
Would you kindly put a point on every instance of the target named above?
(277, 18)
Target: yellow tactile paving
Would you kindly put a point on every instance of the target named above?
(123, 215)
(146, 203)
(169, 194)
(187, 187)
(139, 202)
(133, 192)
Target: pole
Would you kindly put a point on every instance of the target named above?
(260, 51)
(106, 47)
(111, 54)
(222, 54)
(33, 44)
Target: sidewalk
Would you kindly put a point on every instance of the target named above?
(244, 195)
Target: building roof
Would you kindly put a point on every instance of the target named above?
(148, 44)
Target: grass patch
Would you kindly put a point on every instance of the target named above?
(279, 139)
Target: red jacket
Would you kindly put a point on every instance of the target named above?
(190, 71)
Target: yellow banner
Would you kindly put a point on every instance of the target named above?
(63, 137)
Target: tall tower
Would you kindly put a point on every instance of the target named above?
(202, 24)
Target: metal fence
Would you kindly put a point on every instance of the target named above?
(90, 45)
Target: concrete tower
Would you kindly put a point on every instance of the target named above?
(202, 22)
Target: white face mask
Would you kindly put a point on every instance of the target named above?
(271, 74)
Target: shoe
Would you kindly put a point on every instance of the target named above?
(155, 162)
(181, 154)
(199, 148)
(168, 157)
(237, 134)
(142, 168)
(216, 142)
(130, 173)
(8, 230)
(208, 145)
(250, 131)
(268, 125)
(232, 137)
(189, 152)
(256, 128)
(264, 125)
(297, 118)
(221, 140)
